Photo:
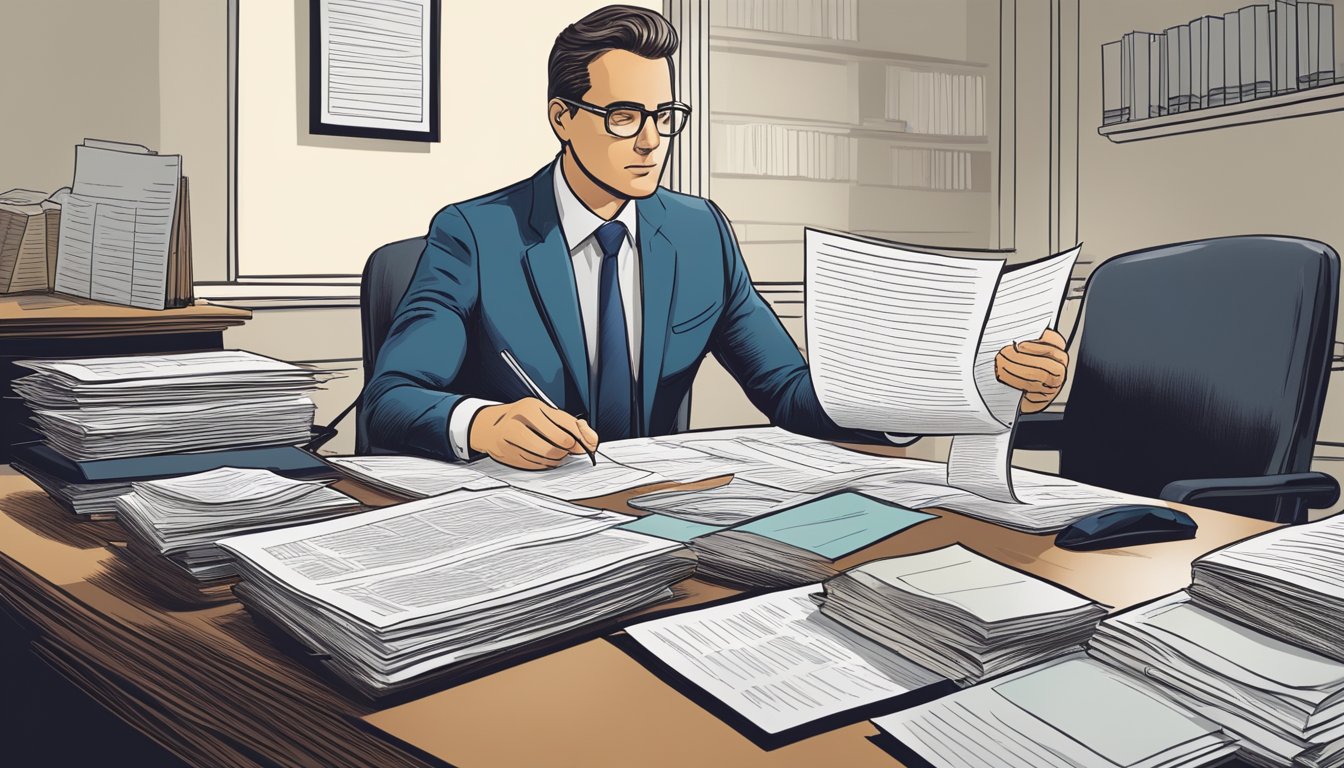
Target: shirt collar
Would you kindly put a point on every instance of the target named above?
(576, 221)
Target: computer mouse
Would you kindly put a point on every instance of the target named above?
(1126, 526)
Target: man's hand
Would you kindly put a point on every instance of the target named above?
(1038, 368)
(528, 434)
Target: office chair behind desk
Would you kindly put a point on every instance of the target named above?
(1200, 376)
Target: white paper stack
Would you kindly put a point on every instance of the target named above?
(959, 613)
(1073, 713)
(1288, 582)
(118, 407)
(182, 518)
(90, 501)
(1285, 703)
(437, 586)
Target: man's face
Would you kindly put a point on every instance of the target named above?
(633, 166)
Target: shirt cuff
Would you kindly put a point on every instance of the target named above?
(900, 439)
(459, 425)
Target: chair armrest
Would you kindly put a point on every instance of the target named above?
(1038, 431)
(1315, 489)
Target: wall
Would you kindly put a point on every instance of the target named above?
(1283, 177)
(150, 72)
(320, 205)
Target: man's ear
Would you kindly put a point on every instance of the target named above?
(558, 118)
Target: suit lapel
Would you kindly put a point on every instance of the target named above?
(550, 276)
(658, 269)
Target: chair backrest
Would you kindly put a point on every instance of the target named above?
(1202, 359)
(387, 275)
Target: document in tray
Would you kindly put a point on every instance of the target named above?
(904, 342)
(1066, 714)
(777, 661)
(117, 225)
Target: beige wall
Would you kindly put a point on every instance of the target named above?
(319, 205)
(150, 72)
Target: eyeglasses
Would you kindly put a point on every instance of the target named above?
(625, 119)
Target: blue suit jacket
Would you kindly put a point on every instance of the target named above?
(496, 274)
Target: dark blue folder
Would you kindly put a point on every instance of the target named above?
(287, 460)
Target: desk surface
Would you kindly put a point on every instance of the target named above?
(584, 705)
(54, 314)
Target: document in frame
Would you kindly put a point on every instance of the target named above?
(1027, 303)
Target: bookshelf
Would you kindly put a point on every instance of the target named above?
(1313, 101)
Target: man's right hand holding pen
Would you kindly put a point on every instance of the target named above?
(529, 434)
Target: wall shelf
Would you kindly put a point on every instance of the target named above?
(1312, 101)
(777, 43)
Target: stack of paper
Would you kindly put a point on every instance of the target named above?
(1074, 713)
(182, 518)
(92, 501)
(800, 544)
(440, 585)
(1284, 702)
(114, 407)
(1288, 582)
(778, 662)
(959, 613)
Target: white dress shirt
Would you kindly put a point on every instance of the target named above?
(579, 226)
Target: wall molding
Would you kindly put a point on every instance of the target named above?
(282, 294)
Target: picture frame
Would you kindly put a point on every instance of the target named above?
(374, 69)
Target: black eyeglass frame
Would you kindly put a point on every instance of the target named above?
(644, 114)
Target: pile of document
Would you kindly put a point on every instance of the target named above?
(1288, 582)
(182, 518)
(959, 613)
(116, 407)
(440, 585)
(800, 544)
(1285, 703)
(1071, 713)
(779, 663)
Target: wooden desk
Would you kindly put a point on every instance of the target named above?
(584, 705)
(38, 325)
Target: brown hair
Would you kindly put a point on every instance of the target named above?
(614, 27)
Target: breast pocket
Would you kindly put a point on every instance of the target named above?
(695, 320)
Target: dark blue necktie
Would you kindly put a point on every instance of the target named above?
(615, 386)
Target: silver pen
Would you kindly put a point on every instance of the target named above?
(537, 393)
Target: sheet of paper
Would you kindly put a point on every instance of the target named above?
(413, 476)
(576, 477)
(777, 661)
(893, 335)
(723, 505)
(836, 525)
(987, 590)
(375, 67)
(116, 226)
(1069, 713)
(144, 367)
(670, 460)
(1026, 304)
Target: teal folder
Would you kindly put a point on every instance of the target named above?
(836, 525)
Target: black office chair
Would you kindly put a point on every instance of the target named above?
(387, 275)
(1200, 376)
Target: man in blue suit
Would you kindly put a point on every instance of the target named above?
(606, 289)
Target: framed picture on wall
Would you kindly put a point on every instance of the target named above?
(374, 69)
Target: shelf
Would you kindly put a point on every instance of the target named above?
(892, 130)
(1312, 101)
(752, 41)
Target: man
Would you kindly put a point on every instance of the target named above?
(606, 289)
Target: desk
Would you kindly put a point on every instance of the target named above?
(588, 704)
(37, 325)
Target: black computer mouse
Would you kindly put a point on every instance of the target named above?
(1127, 526)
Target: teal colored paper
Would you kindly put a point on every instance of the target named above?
(665, 527)
(834, 526)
